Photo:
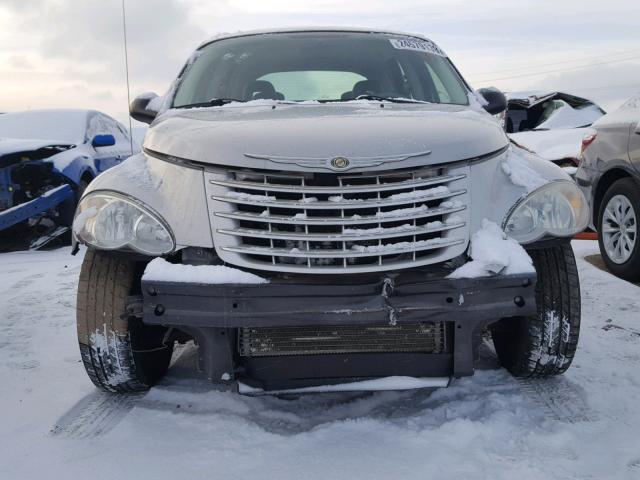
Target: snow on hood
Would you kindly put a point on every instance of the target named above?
(223, 135)
(16, 145)
(494, 253)
(553, 145)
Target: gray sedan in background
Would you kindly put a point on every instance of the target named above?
(609, 176)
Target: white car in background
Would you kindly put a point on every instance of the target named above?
(554, 125)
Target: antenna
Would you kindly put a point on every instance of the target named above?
(126, 67)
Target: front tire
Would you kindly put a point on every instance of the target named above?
(119, 352)
(543, 345)
(618, 229)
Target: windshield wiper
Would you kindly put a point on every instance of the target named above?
(214, 102)
(381, 98)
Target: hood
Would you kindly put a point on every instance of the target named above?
(17, 145)
(553, 145)
(531, 98)
(309, 135)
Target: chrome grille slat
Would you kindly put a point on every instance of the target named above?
(339, 223)
(281, 252)
(359, 220)
(245, 232)
(325, 205)
(343, 189)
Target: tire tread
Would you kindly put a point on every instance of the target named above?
(534, 346)
(104, 286)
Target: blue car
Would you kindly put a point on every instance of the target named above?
(47, 159)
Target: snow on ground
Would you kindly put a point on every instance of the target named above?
(583, 425)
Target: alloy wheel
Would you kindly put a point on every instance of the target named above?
(619, 229)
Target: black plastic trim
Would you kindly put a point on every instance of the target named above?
(422, 294)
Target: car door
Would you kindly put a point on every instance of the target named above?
(107, 156)
(634, 142)
(124, 146)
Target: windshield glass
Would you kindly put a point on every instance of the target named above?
(53, 125)
(323, 66)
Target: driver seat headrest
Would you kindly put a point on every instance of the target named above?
(261, 89)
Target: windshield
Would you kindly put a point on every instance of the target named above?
(322, 66)
(59, 126)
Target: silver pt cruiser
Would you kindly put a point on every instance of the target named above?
(310, 209)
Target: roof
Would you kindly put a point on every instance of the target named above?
(265, 31)
(530, 98)
(69, 111)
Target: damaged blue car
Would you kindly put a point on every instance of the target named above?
(47, 159)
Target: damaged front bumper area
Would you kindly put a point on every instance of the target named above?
(299, 331)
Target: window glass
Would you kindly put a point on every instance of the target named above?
(98, 125)
(324, 66)
(312, 85)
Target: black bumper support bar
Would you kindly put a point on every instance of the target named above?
(414, 295)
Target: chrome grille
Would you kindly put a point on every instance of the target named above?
(335, 223)
(425, 337)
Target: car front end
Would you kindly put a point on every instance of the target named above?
(313, 243)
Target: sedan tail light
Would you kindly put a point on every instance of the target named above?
(586, 141)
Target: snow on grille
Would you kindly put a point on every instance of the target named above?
(332, 223)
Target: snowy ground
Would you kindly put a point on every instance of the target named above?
(54, 424)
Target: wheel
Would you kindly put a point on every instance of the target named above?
(544, 344)
(119, 352)
(618, 229)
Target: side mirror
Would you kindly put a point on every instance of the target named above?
(103, 141)
(141, 110)
(496, 100)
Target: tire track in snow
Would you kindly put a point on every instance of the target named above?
(562, 399)
(95, 415)
(634, 465)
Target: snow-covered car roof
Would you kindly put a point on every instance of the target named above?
(57, 124)
(265, 31)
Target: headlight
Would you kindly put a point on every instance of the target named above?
(110, 221)
(557, 209)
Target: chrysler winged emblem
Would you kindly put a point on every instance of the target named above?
(338, 163)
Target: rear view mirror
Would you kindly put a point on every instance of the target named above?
(496, 100)
(141, 110)
(103, 141)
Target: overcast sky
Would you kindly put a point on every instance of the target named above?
(69, 53)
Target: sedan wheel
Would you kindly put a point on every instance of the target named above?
(618, 229)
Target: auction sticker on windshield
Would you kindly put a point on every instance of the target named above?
(416, 44)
